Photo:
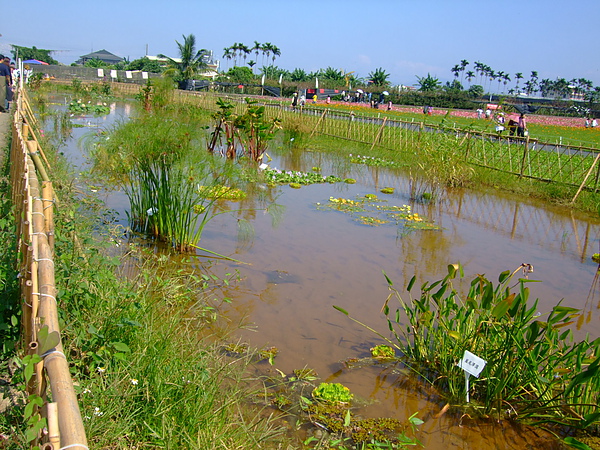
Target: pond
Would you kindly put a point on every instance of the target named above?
(302, 261)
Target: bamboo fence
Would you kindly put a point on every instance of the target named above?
(34, 199)
(570, 165)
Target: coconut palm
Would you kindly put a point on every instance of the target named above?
(470, 75)
(191, 60)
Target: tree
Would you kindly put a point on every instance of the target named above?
(332, 74)
(276, 52)
(26, 53)
(239, 74)
(428, 83)
(453, 87)
(256, 48)
(191, 60)
(299, 75)
(518, 77)
(475, 91)
(228, 53)
(379, 77)
(145, 65)
(470, 75)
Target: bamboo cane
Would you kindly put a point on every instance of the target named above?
(587, 175)
(35, 156)
(53, 431)
(48, 207)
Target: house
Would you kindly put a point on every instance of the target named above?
(102, 55)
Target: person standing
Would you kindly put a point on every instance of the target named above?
(521, 126)
(594, 123)
(4, 83)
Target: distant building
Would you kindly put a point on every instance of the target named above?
(102, 55)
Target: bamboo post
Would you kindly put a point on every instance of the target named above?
(318, 123)
(48, 206)
(587, 175)
(378, 135)
(524, 160)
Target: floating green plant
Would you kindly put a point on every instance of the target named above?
(295, 185)
(378, 212)
(269, 354)
(596, 258)
(276, 176)
(81, 107)
(221, 192)
(387, 190)
(349, 181)
(332, 393)
(383, 352)
(375, 161)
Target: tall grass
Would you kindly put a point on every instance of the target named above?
(160, 163)
(535, 370)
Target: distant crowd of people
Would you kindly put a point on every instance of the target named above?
(591, 122)
(357, 97)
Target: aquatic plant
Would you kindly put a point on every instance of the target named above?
(332, 393)
(276, 176)
(535, 372)
(379, 212)
(81, 107)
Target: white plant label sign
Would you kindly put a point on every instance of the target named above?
(472, 364)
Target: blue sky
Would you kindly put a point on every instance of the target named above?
(405, 38)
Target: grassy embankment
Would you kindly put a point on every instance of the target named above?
(144, 368)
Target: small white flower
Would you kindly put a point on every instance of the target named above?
(86, 391)
(97, 412)
(134, 381)
(101, 369)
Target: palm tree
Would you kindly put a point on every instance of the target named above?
(379, 77)
(428, 83)
(267, 48)
(518, 76)
(299, 75)
(470, 75)
(191, 60)
(227, 53)
(463, 66)
(244, 51)
(257, 48)
(276, 52)
(455, 70)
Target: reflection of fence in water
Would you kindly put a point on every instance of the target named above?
(516, 220)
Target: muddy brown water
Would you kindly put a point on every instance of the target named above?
(302, 261)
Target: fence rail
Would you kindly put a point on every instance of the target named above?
(34, 198)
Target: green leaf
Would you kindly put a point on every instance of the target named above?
(46, 340)
(347, 418)
(120, 347)
(572, 442)
(341, 310)
(411, 283)
(502, 307)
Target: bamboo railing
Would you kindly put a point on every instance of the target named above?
(33, 199)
